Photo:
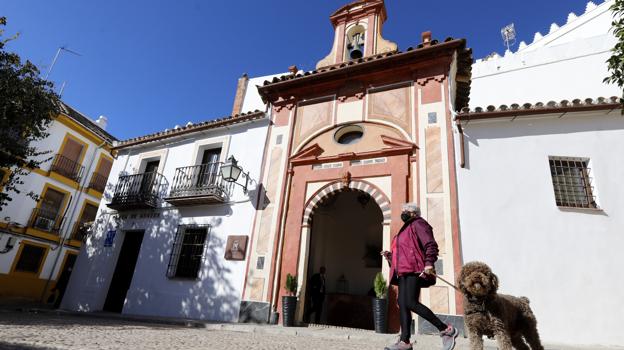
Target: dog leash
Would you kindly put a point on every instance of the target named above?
(447, 282)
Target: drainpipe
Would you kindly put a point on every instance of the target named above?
(462, 162)
(68, 232)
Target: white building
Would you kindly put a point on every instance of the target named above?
(527, 183)
(539, 193)
(39, 241)
(171, 237)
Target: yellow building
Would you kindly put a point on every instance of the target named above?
(40, 240)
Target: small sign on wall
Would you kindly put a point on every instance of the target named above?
(236, 248)
(110, 238)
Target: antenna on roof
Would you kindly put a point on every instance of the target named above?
(58, 52)
(62, 88)
(509, 35)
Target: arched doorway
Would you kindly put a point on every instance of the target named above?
(346, 231)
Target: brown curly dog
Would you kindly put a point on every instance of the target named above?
(507, 318)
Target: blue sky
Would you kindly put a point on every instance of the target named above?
(150, 64)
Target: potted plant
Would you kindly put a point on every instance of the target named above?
(380, 304)
(289, 302)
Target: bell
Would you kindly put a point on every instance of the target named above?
(355, 52)
(356, 46)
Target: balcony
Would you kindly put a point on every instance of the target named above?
(81, 230)
(140, 191)
(200, 184)
(46, 220)
(67, 167)
(98, 182)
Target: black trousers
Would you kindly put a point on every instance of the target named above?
(409, 292)
(316, 307)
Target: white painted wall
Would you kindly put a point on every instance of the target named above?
(21, 207)
(253, 100)
(567, 262)
(595, 21)
(7, 259)
(567, 64)
(216, 294)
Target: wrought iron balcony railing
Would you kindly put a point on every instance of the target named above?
(140, 191)
(98, 182)
(67, 167)
(46, 220)
(81, 230)
(199, 184)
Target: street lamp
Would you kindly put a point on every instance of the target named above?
(231, 171)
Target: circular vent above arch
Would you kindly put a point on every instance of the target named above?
(348, 135)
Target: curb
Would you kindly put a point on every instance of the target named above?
(109, 316)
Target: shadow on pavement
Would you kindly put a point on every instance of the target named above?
(68, 320)
(7, 346)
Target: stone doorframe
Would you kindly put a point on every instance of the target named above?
(332, 189)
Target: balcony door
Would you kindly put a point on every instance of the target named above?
(151, 169)
(49, 211)
(209, 167)
(88, 215)
(68, 164)
(100, 176)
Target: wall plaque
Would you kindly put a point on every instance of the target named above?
(236, 248)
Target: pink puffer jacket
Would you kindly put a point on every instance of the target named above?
(413, 248)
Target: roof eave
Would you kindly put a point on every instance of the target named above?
(536, 111)
(243, 119)
(265, 90)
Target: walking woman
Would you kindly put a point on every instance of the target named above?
(414, 253)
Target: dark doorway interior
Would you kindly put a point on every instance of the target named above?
(152, 166)
(61, 285)
(346, 238)
(123, 271)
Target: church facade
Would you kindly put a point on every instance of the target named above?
(350, 142)
(511, 158)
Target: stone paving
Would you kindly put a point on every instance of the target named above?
(46, 330)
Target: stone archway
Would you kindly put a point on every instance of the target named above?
(338, 186)
(327, 194)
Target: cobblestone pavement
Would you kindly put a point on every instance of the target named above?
(27, 330)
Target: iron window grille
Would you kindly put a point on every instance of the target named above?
(30, 259)
(187, 254)
(572, 183)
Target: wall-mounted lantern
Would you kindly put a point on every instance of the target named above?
(231, 171)
(10, 243)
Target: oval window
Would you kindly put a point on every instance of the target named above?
(349, 134)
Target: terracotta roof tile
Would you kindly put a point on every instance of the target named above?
(86, 122)
(600, 103)
(190, 127)
(464, 66)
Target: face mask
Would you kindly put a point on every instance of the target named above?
(405, 216)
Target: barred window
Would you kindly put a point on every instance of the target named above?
(187, 254)
(571, 182)
(31, 258)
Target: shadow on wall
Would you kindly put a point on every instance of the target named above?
(211, 296)
(258, 197)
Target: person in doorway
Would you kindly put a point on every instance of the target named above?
(317, 295)
(413, 254)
